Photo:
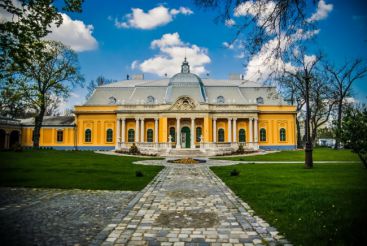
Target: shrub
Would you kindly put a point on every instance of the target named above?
(235, 172)
(139, 173)
(17, 147)
(240, 149)
(134, 150)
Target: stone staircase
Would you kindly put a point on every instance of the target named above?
(186, 152)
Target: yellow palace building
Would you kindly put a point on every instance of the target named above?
(172, 115)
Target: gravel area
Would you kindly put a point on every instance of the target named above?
(55, 216)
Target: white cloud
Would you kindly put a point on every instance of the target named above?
(228, 45)
(181, 10)
(262, 65)
(229, 22)
(259, 9)
(155, 17)
(322, 11)
(168, 39)
(73, 33)
(134, 64)
(171, 54)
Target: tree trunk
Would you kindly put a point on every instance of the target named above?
(299, 137)
(338, 125)
(308, 149)
(363, 159)
(37, 127)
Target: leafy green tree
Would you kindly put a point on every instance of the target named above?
(24, 24)
(354, 131)
(51, 75)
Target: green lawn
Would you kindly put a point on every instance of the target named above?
(72, 169)
(319, 154)
(326, 205)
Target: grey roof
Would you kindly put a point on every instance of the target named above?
(166, 91)
(50, 121)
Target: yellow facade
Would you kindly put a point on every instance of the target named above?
(100, 119)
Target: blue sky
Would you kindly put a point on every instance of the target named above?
(110, 44)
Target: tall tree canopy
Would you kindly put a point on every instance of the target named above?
(50, 76)
(354, 131)
(24, 25)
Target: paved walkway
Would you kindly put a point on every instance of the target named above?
(189, 205)
(57, 217)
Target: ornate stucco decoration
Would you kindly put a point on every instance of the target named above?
(184, 103)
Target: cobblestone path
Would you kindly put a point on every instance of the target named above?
(57, 217)
(189, 205)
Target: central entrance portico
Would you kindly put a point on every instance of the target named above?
(185, 137)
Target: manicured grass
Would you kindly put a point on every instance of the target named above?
(326, 205)
(319, 154)
(72, 169)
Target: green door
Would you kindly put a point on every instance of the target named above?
(185, 137)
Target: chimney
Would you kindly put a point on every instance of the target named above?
(137, 77)
(234, 76)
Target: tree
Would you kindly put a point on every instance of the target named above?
(354, 131)
(267, 20)
(11, 102)
(304, 75)
(50, 76)
(24, 25)
(289, 90)
(343, 78)
(100, 80)
(322, 103)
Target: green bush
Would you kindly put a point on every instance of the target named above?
(240, 149)
(139, 173)
(134, 150)
(17, 147)
(235, 172)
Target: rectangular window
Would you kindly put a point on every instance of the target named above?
(60, 136)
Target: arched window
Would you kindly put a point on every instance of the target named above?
(150, 99)
(150, 135)
(221, 135)
(220, 99)
(109, 135)
(88, 136)
(60, 136)
(282, 134)
(131, 135)
(198, 134)
(262, 134)
(172, 133)
(242, 136)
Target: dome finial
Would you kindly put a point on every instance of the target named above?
(185, 67)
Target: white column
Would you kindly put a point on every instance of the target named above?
(118, 139)
(156, 130)
(178, 130)
(142, 130)
(214, 130)
(123, 130)
(230, 130)
(137, 130)
(7, 140)
(235, 130)
(192, 133)
(255, 130)
(251, 131)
